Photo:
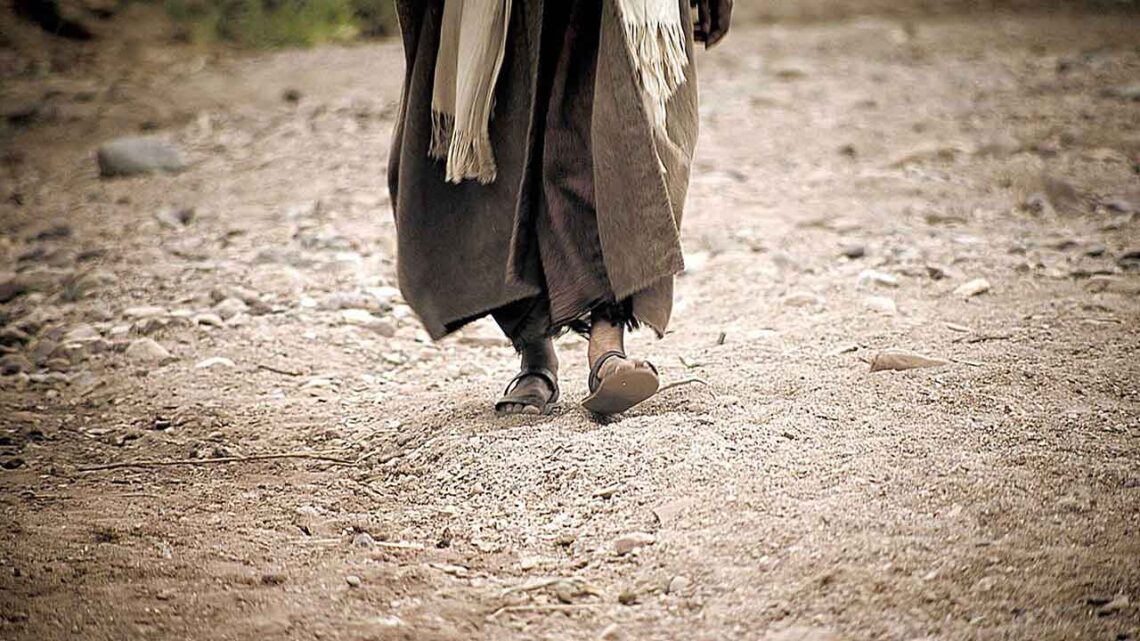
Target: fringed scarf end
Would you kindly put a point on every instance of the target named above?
(660, 56)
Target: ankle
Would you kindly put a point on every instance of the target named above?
(540, 354)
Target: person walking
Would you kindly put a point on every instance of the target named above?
(538, 172)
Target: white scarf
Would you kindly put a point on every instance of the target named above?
(472, 45)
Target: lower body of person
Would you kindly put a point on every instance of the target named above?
(579, 228)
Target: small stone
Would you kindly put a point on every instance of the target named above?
(630, 542)
(146, 311)
(208, 319)
(281, 280)
(134, 155)
(610, 633)
(146, 350)
(900, 360)
(973, 288)
(353, 581)
(803, 299)
(1129, 260)
(1125, 92)
(81, 332)
(12, 463)
(365, 319)
(1120, 602)
(291, 95)
(936, 272)
(628, 597)
(871, 277)
(12, 364)
(174, 217)
(565, 591)
(216, 361)
(13, 337)
(273, 578)
(84, 284)
(1096, 250)
(12, 288)
(363, 540)
(985, 584)
(881, 304)
(387, 296)
(854, 251)
(678, 585)
(230, 307)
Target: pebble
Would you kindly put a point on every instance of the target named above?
(11, 364)
(216, 361)
(363, 540)
(13, 336)
(678, 584)
(273, 578)
(12, 288)
(84, 284)
(353, 581)
(174, 217)
(1120, 602)
(1129, 260)
(12, 463)
(630, 542)
(803, 299)
(610, 633)
(973, 288)
(146, 350)
(881, 304)
(565, 591)
(81, 332)
(364, 318)
(876, 278)
(854, 251)
(133, 155)
(278, 279)
(208, 319)
(351, 300)
(936, 272)
(230, 307)
(386, 295)
(1096, 250)
(899, 360)
(145, 311)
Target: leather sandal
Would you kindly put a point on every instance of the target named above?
(543, 403)
(622, 389)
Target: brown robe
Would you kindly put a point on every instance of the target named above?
(468, 250)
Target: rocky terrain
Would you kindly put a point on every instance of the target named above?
(904, 371)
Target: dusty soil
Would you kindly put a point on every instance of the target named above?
(796, 496)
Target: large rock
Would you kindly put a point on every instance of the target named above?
(138, 155)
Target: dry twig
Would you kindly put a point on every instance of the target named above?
(683, 382)
(314, 456)
(561, 607)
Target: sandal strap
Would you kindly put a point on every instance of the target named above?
(594, 381)
(541, 372)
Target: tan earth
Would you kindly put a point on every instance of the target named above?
(793, 494)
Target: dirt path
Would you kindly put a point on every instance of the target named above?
(799, 496)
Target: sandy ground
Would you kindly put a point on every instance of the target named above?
(798, 495)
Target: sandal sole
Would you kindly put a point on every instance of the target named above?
(622, 390)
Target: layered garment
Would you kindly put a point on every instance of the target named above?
(586, 203)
